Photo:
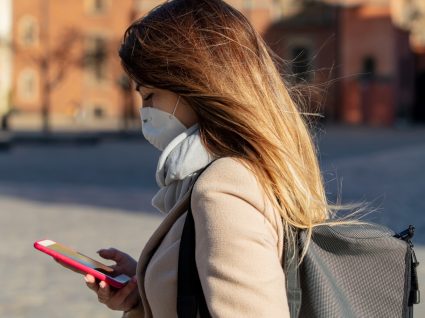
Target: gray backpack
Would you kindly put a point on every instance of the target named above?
(358, 270)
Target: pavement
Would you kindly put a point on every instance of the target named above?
(90, 196)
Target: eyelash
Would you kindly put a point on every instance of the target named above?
(148, 97)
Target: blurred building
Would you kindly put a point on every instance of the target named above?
(378, 53)
(357, 48)
(65, 62)
(410, 15)
(5, 55)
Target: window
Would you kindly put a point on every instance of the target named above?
(301, 62)
(98, 111)
(97, 6)
(369, 67)
(28, 31)
(27, 85)
(96, 58)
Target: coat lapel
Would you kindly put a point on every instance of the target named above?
(153, 243)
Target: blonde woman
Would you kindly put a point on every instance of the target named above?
(212, 94)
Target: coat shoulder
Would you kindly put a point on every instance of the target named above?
(232, 179)
(228, 171)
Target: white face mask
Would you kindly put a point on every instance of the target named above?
(160, 127)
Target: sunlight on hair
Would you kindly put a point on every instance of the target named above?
(210, 54)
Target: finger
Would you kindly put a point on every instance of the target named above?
(104, 292)
(91, 282)
(122, 294)
(111, 254)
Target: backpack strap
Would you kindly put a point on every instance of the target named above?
(190, 297)
(413, 298)
(291, 268)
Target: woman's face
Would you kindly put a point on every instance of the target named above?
(166, 100)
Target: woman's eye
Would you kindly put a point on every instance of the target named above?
(148, 97)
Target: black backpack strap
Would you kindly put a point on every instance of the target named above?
(413, 297)
(190, 297)
(291, 268)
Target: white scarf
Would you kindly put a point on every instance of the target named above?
(178, 167)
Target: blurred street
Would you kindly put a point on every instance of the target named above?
(89, 197)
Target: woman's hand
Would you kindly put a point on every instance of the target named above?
(125, 264)
(116, 299)
(122, 299)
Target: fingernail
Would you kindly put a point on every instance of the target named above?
(86, 279)
(102, 284)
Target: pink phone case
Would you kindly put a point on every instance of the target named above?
(108, 279)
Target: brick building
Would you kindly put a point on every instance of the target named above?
(66, 63)
(5, 55)
(410, 15)
(372, 45)
(65, 59)
(356, 46)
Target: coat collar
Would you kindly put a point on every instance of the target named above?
(155, 240)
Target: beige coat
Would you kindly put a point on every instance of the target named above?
(239, 244)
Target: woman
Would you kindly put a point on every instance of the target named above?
(211, 92)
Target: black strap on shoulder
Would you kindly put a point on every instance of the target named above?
(190, 297)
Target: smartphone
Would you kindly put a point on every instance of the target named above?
(81, 262)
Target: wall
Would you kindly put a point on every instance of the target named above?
(5, 55)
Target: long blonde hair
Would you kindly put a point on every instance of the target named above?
(209, 53)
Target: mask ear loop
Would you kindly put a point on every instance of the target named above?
(175, 107)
